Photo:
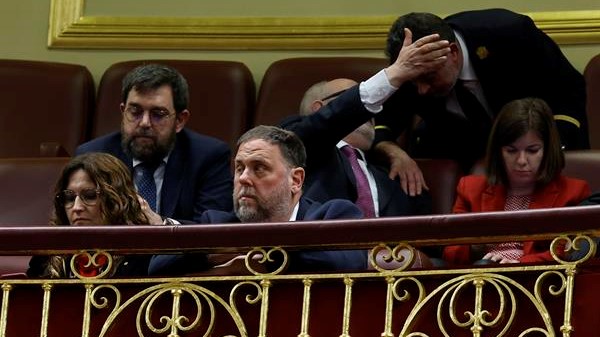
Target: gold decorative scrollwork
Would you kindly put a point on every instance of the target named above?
(405, 296)
(102, 302)
(262, 257)
(572, 251)
(249, 298)
(176, 322)
(155, 297)
(479, 317)
(384, 258)
(87, 266)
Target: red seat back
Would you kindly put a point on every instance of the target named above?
(45, 106)
(286, 81)
(222, 96)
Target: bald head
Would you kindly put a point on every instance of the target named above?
(321, 93)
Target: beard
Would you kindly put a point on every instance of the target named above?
(147, 151)
(262, 210)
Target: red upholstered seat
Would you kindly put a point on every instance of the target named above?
(584, 164)
(285, 82)
(46, 107)
(222, 96)
(592, 81)
(26, 195)
(26, 198)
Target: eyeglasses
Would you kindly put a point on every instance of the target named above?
(88, 196)
(335, 94)
(136, 114)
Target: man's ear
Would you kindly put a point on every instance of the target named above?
(180, 119)
(297, 176)
(316, 105)
(455, 51)
(122, 107)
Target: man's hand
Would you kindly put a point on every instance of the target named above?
(426, 54)
(404, 167)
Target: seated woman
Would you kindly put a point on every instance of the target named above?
(95, 189)
(523, 171)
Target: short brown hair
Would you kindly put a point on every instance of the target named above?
(514, 120)
(289, 143)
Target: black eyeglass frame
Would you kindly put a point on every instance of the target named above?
(135, 114)
(62, 197)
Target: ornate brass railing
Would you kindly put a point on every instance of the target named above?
(499, 300)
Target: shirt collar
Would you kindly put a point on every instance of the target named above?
(295, 212)
(136, 162)
(360, 152)
(467, 73)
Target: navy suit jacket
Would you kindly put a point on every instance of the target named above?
(197, 175)
(512, 59)
(328, 171)
(314, 261)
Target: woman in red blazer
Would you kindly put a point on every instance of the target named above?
(523, 171)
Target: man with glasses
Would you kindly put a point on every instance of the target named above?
(179, 173)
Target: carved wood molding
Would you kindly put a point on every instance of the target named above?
(69, 27)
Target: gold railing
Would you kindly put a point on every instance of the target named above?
(499, 300)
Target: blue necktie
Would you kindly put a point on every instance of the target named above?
(145, 183)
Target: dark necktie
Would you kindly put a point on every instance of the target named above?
(364, 199)
(476, 114)
(145, 183)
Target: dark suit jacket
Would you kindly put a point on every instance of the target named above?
(512, 59)
(328, 171)
(475, 195)
(308, 210)
(197, 175)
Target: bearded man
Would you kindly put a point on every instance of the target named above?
(180, 173)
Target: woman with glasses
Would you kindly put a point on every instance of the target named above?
(523, 171)
(95, 189)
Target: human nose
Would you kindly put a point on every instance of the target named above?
(244, 177)
(78, 204)
(522, 158)
(145, 121)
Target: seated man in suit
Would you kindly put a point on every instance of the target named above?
(336, 163)
(268, 180)
(179, 172)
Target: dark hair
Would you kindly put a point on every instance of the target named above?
(514, 120)
(119, 204)
(153, 76)
(421, 25)
(289, 143)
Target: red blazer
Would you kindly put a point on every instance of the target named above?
(475, 195)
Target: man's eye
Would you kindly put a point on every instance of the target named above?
(159, 113)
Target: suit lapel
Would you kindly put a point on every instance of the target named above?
(384, 187)
(545, 197)
(493, 198)
(303, 207)
(172, 180)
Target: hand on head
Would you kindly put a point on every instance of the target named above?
(416, 58)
